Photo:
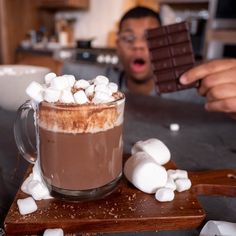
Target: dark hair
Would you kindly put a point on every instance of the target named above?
(139, 12)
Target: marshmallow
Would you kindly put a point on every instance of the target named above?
(35, 90)
(155, 148)
(24, 186)
(176, 174)
(80, 97)
(34, 185)
(144, 173)
(136, 147)
(174, 127)
(38, 190)
(48, 77)
(70, 79)
(164, 194)
(35, 175)
(101, 97)
(170, 183)
(26, 205)
(103, 88)
(66, 97)
(82, 84)
(51, 95)
(100, 79)
(113, 87)
(53, 232)
(89, 90)
(36, 172)
(218, 228)
(60, 83)
(182, 184)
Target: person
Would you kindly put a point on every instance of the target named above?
(217, 83)
(132, 50)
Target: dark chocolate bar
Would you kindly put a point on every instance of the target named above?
(171, 55)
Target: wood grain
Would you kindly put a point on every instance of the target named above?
(125, 210)
(17, 18)
(40, 60)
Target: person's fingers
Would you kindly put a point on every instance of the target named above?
(226, 105)
(221, 91)
(201, 71)
(216, 79)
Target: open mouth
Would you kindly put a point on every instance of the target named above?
(139, 61)
(138, 64)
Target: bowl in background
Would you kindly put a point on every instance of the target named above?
(14, 79)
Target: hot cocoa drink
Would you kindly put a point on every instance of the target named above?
(90, 172)
(78, 135)
(80, 146)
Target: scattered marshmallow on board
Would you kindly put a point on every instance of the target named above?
(174, 127)
(145, 171)
(155, 148)
(53, 232)
(26, 205)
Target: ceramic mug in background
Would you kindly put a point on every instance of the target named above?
(13, 81)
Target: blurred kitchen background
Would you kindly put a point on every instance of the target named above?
(53, 33)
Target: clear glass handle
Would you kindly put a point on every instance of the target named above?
(24, 132)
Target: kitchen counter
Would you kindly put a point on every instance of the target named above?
(55, 58)
(205, 141)
(39, 57)
(39, 51)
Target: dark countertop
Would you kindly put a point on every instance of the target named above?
(34, 51)
(205, 141)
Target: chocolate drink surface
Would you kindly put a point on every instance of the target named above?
(171, 55)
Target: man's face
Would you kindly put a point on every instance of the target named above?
(132, 47)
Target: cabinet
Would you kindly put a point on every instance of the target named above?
(221, 30)
(39, 59)
(59, 4)
(16, 19)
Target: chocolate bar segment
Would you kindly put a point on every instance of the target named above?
(171, 55)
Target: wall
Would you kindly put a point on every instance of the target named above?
(97, 21)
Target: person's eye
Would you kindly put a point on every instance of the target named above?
(128, 38)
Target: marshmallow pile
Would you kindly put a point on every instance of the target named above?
(145, 170)
(65, 89)
(34, 186)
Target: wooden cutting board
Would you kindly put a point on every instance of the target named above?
(126, 210)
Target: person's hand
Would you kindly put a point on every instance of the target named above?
(217, 84)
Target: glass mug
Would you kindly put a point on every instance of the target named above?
(79, 147)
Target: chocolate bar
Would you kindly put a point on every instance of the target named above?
(171, 55)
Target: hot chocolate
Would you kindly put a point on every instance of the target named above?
(80, 145)
(78, 135)
(81, 167)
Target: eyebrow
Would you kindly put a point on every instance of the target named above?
(127, 30)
